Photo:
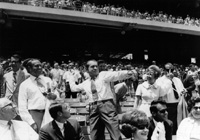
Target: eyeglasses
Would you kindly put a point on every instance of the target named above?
(196, 107)
(14, 107)
(163, 110)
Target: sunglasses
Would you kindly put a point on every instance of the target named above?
(141, 127)
(196, 107)
(163, 110)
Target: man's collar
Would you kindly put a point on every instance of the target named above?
(148, 86)
(60, 125)
(34, 78)
(3, 122)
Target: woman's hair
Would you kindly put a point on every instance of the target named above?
(156, 69)
(192, 102)
(132, 120)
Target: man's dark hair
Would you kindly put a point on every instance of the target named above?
(87, 65)
(101, 61)
(153, 107)
(54, 108)
(17, 56)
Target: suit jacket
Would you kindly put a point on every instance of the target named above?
(189, 85)
(11, 90)
(51, 131)
(168, 129)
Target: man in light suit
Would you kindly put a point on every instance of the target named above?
(14, 78)
(160, 127)
(13, 129)
(61, 128)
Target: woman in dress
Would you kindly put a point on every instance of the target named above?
(189, 128)
(149, 90)
(134, 125)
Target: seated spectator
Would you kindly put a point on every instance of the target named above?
(13, 129)
(160, 126)
(61, 127)
(134, 124)
(189, 127)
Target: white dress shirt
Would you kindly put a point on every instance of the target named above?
(159, 131)
(31, 97)
(102, 83)
(166, 84)
(22, 131)
(61, 126)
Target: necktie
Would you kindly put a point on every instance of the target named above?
(175, 91)
(41, 86)
(94, 90)
(14, 77)
(13, 133)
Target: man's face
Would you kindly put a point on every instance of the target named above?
(56, 66)
(93, 68)
(162, 113)
(66, 111)
(36, 69)
(169, 71)
(102, 67)
(8, 112)
(15, 64)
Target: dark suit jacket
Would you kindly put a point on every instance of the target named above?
(189, 85)
(168, 129)
(51, 131)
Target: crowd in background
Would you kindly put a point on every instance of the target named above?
(109, 9)
(146, 84)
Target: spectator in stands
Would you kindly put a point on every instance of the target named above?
(121, 90)
(134, 124)
(62, 127)
(13, 129)
(1, 81)
(148, 90)
(189, 127)
(173, 87)
(189, 84)
(160, 127)
(72, 72)
(33, 96)
(14, 78)
(56, 73)
(102, 112)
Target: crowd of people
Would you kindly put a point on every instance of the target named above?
(109, 9)
(33, 93)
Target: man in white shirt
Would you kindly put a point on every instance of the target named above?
(33, 95)
(12, 129)
(173, 87)
(101, 105)
(66, 76)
